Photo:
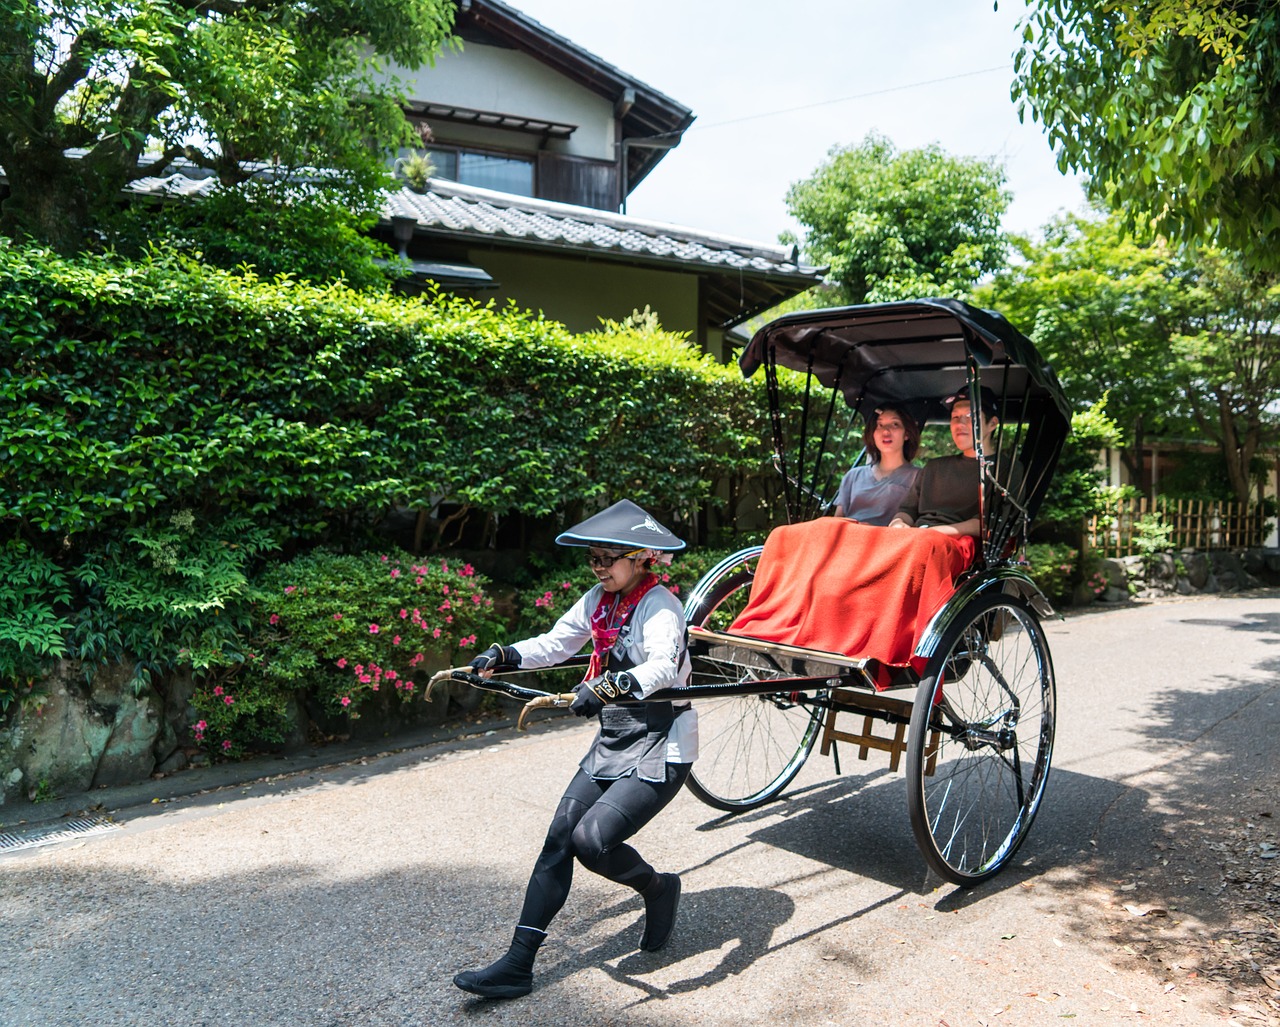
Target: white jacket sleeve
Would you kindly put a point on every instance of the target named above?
(566, 638)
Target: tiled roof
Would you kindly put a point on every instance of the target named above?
(471, 213)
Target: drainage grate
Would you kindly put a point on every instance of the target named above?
(78, 828)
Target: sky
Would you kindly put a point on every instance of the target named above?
(775, 85)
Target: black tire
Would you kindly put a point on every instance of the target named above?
(988, 694)
(749, 747)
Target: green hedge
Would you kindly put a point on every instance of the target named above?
(136, 389)
(170, 432)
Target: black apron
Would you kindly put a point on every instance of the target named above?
(632, 736)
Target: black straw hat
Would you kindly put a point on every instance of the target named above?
(625, 526)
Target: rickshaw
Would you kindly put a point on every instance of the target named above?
(972, 704)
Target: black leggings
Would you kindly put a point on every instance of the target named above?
(593, 820)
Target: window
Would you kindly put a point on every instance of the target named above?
(486, 170)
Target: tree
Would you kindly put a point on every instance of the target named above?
(1171, 106)
(1176, 342)
(901, 225)
(1228, 345)
(1097, 306)
(288, 94)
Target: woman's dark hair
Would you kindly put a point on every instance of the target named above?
(910, 445)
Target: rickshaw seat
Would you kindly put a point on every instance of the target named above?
(835, 585)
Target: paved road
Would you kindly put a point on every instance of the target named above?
(350, 895)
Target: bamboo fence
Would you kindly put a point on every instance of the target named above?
(1196, 523)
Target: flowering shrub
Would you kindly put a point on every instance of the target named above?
(1096, 583)
(1053, 568)
(346, 628)
(238, 709)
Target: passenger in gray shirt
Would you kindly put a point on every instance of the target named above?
(872, 493)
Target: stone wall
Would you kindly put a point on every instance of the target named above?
(99, 732)
(1187, 572)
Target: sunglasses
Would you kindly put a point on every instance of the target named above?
(605, 562)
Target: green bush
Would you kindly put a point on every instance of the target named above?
(1054, 568)
(34, 593)
(162, 385)
(169, 594)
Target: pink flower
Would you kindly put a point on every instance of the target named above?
(445, 589)
(566, 584)
(477, 599)
(217, 689)
(404, 614)
(274, 619)
(384, 559)
(444, 565)
(467, 570)
(396, 640)
(449, 619)
(226, 745)
(416, 660)
(373, 629)
(228, 700)
(446, 605)
(666, 578)
(342, 662)
(337, 616)
(392, 675)
(395, 573)
(290, 588)
(346, 699)
(436, 633)
(468, 641)
(364, 679)
(418, 580)
(200, 726)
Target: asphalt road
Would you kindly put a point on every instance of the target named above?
(350, 895)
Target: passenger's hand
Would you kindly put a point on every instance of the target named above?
(495, 656)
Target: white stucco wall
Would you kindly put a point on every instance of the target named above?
(509, 82)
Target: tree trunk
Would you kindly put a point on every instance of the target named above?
(47, 201)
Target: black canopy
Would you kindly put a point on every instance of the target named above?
(917, 352)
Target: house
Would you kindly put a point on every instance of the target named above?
(536, 144)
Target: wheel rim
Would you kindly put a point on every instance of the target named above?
(749, 747)
(990, 700)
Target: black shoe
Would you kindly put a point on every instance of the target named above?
(512, 975)
(495, 982)
(660, 911)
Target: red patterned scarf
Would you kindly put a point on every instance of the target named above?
(611, 614)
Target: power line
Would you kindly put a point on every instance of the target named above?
(845, 99)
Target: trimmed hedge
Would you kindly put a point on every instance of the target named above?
(131, 390)
(140, 396)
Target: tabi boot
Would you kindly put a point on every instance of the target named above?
(661, 900)
(512, 975)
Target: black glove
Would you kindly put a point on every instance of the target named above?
(609, 687)
(495, 656)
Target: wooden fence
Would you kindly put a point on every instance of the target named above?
(1196, 523)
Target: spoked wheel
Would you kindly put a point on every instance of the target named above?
(749, 747)
(981, 739)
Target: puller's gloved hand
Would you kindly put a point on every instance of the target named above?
(611, 686)
(493, 657)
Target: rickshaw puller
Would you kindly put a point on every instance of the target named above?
(642, 752)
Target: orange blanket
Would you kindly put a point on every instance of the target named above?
(843, 587)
